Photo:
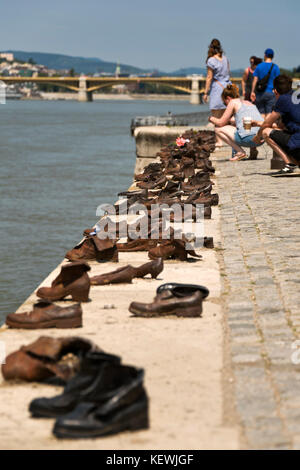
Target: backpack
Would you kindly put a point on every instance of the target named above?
(263, 83)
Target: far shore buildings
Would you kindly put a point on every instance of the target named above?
(12, 67)
(8, 56)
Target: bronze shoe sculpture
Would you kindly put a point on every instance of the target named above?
(152, 168)
(47, 315)
(211, 200)
(182, 290)
(205, 190)
(121, 275)
(172, 249)
(73, 280)
(157, 183)
(205, 164)
(187, 166)
(47, 358)
(93, 248)
(195, 214)
(154, 268)
(168, 302)
(114, 229)
(137, 245)
(196, 181)
(127, 273)
(208, 242)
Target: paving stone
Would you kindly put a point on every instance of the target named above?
(272, 334)
(266, 439)
(236, 318)
(242, 329)
(247, 358)
(249, 339)
(240, 306)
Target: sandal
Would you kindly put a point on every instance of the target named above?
(238, 156)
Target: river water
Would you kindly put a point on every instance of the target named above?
(59, 161)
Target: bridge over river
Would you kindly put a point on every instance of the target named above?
(193, 85)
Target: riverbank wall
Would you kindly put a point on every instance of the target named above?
(113, 96)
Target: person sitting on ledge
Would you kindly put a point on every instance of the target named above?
(283, 139)
(230, 127)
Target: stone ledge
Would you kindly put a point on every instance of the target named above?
(150, 139)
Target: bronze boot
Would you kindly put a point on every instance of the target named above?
(22, 366)
(47, 358)
(73, 280)
(47, 315)
(93, 248)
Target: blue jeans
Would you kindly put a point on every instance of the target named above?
(246, 141)
(265, 102)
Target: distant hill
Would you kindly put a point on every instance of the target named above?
(93, 65)
(189, 71)
(237, 72)
(202, 71)
(79, 64)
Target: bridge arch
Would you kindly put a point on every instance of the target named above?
(115, 82)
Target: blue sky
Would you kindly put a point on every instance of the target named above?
(166, 34)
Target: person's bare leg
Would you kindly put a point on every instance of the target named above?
(218, 113)
(226, 134)
(275, 146)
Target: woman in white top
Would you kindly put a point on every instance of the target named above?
(230, 127)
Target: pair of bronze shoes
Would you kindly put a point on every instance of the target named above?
(72, 280)
(127, 273)
(182, 300)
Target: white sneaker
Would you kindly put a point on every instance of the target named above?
(287, 170)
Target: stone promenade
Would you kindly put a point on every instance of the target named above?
(260, 260)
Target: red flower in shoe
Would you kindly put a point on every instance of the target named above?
(180, 141)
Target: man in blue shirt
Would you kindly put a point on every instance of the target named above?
(265, 100)
(284, 139)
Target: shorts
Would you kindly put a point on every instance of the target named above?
(282, 139)
(246, 141)
(265, 102)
